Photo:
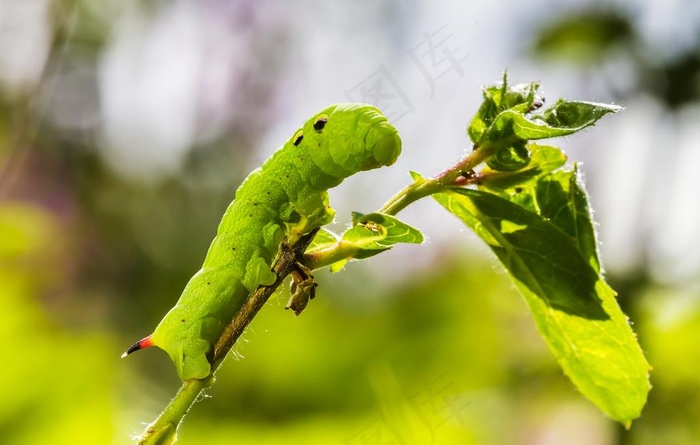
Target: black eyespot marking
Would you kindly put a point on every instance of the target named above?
(182, 321)
(320, 122)
(298, 137)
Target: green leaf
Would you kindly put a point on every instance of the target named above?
(562, 199)
(510, 159)
(504, 123)
(324, 238)
(573, 308)
(559, 197)
(576, 116)
(527, 129)
(499, 98)
(376, 232)
(563, 119)
(543, 159)
(369, 235)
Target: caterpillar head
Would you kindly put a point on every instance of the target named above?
(344, 139)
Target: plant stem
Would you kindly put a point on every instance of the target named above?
(163, 430)
(425, 187)
(329, 255)
(460, 174)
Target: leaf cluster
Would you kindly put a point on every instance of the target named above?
(531, 208)
(529, 205)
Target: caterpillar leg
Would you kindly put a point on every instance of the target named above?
(303, 288)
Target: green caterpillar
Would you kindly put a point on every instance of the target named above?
(286, 198)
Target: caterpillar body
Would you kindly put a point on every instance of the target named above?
(285, 198)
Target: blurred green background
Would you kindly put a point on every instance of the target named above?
(126, 126)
